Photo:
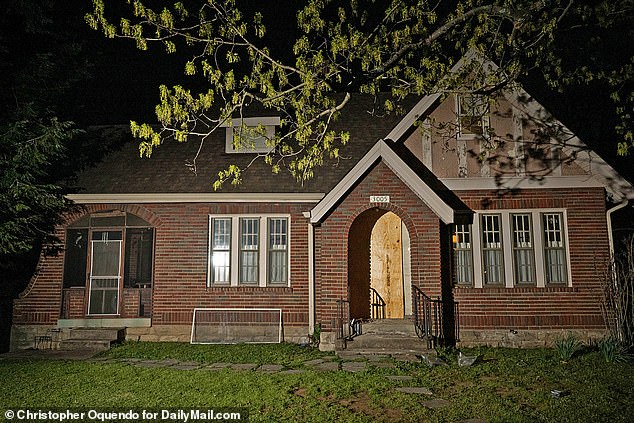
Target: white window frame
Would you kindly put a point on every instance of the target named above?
(529, 249)
(263, 239)
(507, 244)
(485, 119)
(463, 247)
(501, 248)
(269, 124)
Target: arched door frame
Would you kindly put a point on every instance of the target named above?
(358, 255)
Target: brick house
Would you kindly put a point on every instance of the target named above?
(458, 201)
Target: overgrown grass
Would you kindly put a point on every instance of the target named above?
(506, 385)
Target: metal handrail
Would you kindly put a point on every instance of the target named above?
(342, 323)
(429, 318)
(377, 305)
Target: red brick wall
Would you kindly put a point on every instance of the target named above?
(40, 302)
(331, 269)
(180, 271)
(551, 307)
(180, 267)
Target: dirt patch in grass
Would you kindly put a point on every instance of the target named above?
(363, 404)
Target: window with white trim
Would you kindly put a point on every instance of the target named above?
(492, 252)
(554, 248)
(249, 250)
(278, 250)
(220, 250)
(513, 248)
(473, 115)
(523, 252)
(462, 255)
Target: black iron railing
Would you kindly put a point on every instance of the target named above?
(342, 323)
(377, 305)
(430, 318)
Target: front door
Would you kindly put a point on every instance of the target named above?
(105, 275)
(386, 264)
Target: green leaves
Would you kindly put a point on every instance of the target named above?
(29, 202)
(347, 46)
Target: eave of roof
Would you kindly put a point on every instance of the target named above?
(409, 169)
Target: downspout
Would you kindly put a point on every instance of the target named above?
(608, 217)
(311, 279)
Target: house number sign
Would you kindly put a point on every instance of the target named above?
(379, 199)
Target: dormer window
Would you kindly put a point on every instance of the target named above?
(473, 115)
(250, 135)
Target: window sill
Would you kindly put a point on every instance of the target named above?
(249, 288)
(496, 289)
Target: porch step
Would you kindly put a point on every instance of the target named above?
(406, 344)
(387, 337)
(401, 327)
(92, 339)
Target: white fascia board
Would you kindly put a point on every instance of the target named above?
(520, 182)
(400, 168)
(413, 181)
(196, 198)
(318, 212)
(600, 170)
(410, 118)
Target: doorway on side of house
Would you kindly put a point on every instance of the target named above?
(379, 263)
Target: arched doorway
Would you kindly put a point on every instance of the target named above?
(379, 258)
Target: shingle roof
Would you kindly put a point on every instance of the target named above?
(124, 172)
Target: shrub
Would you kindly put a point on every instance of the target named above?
(613, 351)
(567, 346)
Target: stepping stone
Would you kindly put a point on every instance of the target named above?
(219, 365)
(353, 366)
(349, 355)
(149, 364)
(409, 358)
(291, 372)
(313, 362)
(330, 366)
(415, 390)
(383, 365)
(244, 366)
(376, 358)
(399, 377)
(436, 403)
(168, 362)
(270, 368)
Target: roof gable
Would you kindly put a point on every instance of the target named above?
(409, 169)
(600, 173)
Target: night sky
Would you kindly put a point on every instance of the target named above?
(124, 81)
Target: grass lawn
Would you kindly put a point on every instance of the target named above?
(506, 385)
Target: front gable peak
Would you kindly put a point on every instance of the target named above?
(408, 169)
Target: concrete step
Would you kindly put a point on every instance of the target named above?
(97, 333)
(85, 344)
(389, 327)
(96, 339)
(388, 342)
